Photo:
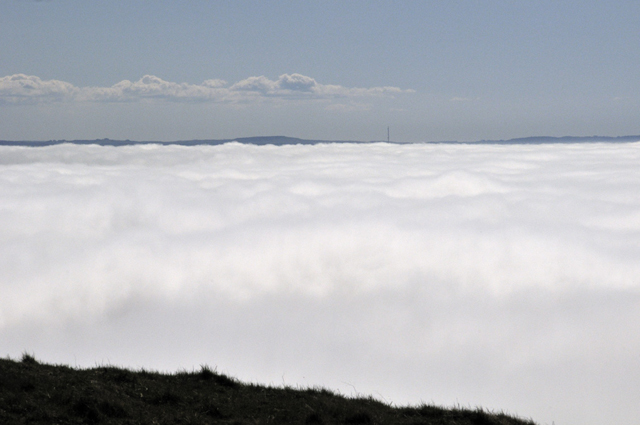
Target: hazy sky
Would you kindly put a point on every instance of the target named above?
(464, 70)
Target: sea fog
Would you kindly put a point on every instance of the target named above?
(502, 276)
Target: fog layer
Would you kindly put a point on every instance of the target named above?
(501, 276)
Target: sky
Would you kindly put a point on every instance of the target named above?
(331, 70)
(501, 276)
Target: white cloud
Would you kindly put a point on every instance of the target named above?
(20, 89)
(256, 84)
(501, 276)
(297, 82)
(152, 87)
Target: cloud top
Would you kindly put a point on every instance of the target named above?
(504, 276)
(30, 89)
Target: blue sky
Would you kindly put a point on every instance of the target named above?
(464, 70)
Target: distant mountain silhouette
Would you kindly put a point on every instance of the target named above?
(284, 140)
(564, 139)
(260, 140)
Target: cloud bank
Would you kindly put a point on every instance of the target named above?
(501, 276)
(21, 89)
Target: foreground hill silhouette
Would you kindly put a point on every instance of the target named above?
(37, 393)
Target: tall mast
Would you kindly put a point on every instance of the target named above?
(388, 134)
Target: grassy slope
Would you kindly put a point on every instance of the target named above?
(33, 392)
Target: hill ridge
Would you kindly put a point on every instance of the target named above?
(39, 393)
(286, 140)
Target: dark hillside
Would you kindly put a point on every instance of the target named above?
(35, 393)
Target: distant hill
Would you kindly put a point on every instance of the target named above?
(260, 140)
(564, 139)
(539, 140)
(284, 140)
